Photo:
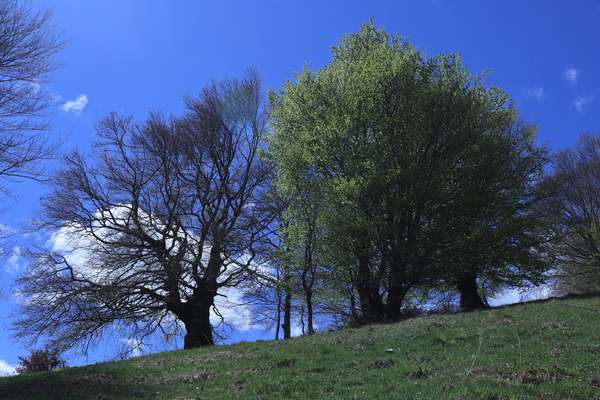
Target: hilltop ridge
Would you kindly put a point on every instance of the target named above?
(540, 350)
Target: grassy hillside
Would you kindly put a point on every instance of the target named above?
(543, 350)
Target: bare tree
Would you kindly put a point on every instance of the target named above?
(27, 47)
(169, 215)
(573, 213)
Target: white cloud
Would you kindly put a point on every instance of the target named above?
(297, 328)
(7, 369)
(13, 264)
(235, 312)
(512, 296)
(581, 101)
(35, 86)
(77, 105)
(76, 248)
(135, 346)
(571, 74)
(536, 93)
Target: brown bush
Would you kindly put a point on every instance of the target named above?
(39, 361)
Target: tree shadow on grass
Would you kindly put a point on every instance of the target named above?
(77, 383)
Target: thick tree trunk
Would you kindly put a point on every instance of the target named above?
(395, 299)
(199, 334)
(469, 294)
(371, 305)
(195, 315)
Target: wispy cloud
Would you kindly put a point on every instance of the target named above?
(76, 106)
(135, 346)
(6, 368)
(535, 93)
(581, 101)
(13, 264)
(571, 74)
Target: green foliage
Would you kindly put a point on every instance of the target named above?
(546, 350)
(422, 170)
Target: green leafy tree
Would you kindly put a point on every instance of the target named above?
(422, 168)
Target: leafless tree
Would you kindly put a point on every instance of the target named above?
(169, 215)
(27, 47)
(573, 213)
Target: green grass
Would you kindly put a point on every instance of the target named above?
(542, 350)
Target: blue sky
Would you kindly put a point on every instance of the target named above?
(134, 57)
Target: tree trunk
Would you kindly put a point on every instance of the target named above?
(196, 318)
(302, 321)
(353, 311)
(309, 312)
(395, 298)
(195, 315)
(371, 305)
(287, 311)
(278, 314)
(469, 295)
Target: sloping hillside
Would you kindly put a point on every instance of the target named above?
(542, 350)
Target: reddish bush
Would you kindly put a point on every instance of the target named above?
(40, 360)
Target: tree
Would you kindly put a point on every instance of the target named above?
(573, 213)
(302, 242)
(41, 361)
(418, 160)
(167, 216)
(497, 235)
(293, 281)
(27, 47)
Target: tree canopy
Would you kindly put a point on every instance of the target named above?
(166, 216)
(428, 173)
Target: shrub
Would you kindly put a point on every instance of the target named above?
(40, 360)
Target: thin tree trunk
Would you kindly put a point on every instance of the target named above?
(470, 298)
(278, 314)
(309, 312)
(353, 311)
(287, 308)
(309, 270)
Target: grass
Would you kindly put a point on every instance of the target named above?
(540, 350)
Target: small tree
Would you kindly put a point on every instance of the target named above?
(40, 361)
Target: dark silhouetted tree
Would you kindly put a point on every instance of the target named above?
(573, 213)
(27, 47)
(167, 215)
